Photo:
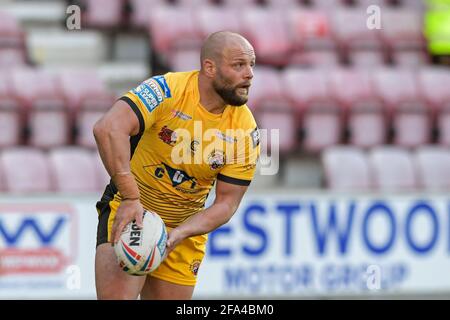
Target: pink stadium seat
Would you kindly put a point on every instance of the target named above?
(84, 89)
(315, 58)
(350, 85)
(402, 28)
(85, 125)
(433, 165)
(367, 3)
(10, 111)
(322, 127)
(409, 58)
(240, 3)
(140, 11)
(433, 84)
(169, 36)
(194, 3)
(11, 58)
(284, 3)
(282, 120)
(366, 58)
(11, 33)
(270, 40)
(25, 169)
(350, 29)
(321, 116)
(266, 89)
(393, 169)
(443, 125)
(305, 86)
(309, 28)
(102, 176)
(73, 169)
(367, 124)
(185, 60)
(358, 43)
(212, 18)
(398, 88)
(46, 108)
(346, 168)
(412, 124)
(104, 13)
(394, 85)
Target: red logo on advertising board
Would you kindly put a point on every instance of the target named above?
(37, 238)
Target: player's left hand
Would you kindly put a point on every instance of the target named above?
(174, 237)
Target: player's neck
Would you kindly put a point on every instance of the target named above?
(209, 99)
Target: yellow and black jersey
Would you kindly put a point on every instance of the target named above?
(182, 148)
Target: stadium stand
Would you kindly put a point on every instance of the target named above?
(324, 83)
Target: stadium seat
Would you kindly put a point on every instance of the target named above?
(392, 169)
(185, 60)
(350, 85)
(394, 85)
(11, 58)
(346, 168)
(103, 13)
(304, 86)
(270, 40)
(433, 85)
(212, 18)
(83, 89)
(73, 169)
(25, 170)
(85, 125)
(47, 115)
(433, 166)
(411, 124)
(140, 12)
(11, 33)
(443, 125)
(402, 29)
(367, 124)
(321, 126)
(358, 43)
(411, 119)
(247, 4)
(283, 3)
(321, 116)
(10, 115)
(169, 36)
(266, 89)
(365, 58)
(309, 29)
(102, 176)
(284, 122)
(409, 58)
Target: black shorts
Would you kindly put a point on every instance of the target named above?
(104, 210)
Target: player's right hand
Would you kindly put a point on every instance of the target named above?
(128, 211)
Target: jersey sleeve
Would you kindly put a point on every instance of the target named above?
(148, 99)
(242, 168)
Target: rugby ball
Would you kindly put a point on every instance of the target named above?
(141, 251)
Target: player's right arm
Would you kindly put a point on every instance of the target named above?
(112, 134)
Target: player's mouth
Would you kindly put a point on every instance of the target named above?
(243, 89)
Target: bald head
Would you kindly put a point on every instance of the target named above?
(218, 43)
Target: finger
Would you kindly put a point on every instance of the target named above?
(139, 218)
(118, 231)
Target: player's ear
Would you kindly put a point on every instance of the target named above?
(209, 66)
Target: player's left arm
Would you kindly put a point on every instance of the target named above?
(228, 197)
